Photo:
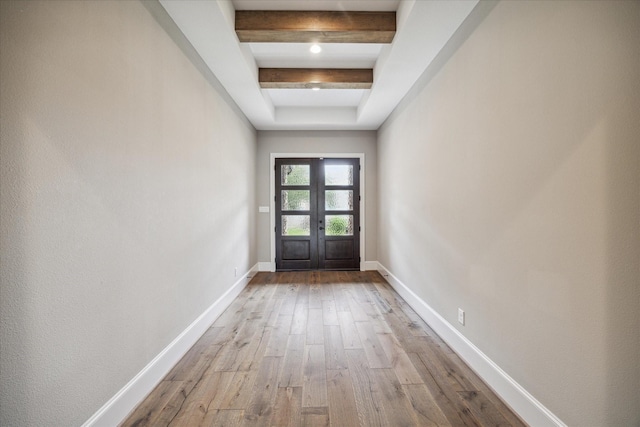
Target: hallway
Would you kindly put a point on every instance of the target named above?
(321, 348)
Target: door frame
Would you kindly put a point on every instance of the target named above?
(272, 193)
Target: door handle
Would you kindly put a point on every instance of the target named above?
(320, 228)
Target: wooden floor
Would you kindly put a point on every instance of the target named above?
(321, 349)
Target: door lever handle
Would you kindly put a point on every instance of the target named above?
(320, 228)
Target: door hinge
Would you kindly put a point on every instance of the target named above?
(274, 229)
(359, 167)
(359, 228)
(359, 259)
(359, 198)
(275, 198)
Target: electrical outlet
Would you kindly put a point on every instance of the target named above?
(461, 316)
(235, 272)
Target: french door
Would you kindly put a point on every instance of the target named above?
(317, 214)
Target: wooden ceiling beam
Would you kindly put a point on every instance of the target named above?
(323, 78)
(315, 27)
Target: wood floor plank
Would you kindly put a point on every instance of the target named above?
(260, 407)
(291, 373)
(373, 349)
(314, 384)
(315, 417)
(326, 293)
(239, 391)
(425, 408)
(302, 296)
(299, 322)
(366, 390)
(289, 300)
(380, 303)
(445, 370)
(276, 307)
(448, 401)
(257, 300)
(265, 301)
(396, 404)
(279, 336)
(315, 329)
(191, 368)
(244, 343)
(408, 317)
(251, 357)
(380, 325)
(224, 418)
(342, 403)
(340, 298)
(400, 362)
(321, 348)
(237, 308)
(350, 336)
(329, 313)
(288, 408)
(207, 395)
(315, 297)
(335, 357)
(198, 359)
(483, 409)
(160, 407)
(358, 293)
(410, 343)
(358, 313)
(486, 392)
(284, 289)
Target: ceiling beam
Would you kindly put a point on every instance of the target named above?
(323, 78)
(315, 27)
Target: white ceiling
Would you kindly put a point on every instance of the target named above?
(423, 28)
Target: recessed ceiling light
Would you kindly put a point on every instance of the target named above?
(315, 88)
(315, 48)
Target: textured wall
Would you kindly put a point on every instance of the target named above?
(127, 198)
(317, 142)
(509, 186)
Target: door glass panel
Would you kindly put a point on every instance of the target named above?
(296, 225)
(296, 200)
(338, 200)
(338, 174)
(295, 174)
(339, 225)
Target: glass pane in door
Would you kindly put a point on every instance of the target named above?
(296, 225)
(338, 200)
(339, 225)
(295, 175)
(296, 200)
(338, 174)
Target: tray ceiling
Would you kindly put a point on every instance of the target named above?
(422, 30)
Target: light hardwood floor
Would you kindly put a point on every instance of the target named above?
(321, 349)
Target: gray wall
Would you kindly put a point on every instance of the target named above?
(317, 142)
(127, 198)
(509, 186)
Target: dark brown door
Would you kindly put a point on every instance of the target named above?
(317, 214)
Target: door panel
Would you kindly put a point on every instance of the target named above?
(317, 214)
(339, 214)
(296, 215)
(338, 250)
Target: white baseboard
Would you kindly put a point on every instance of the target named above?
(119, 406)
(252, 271)
(520, 400)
